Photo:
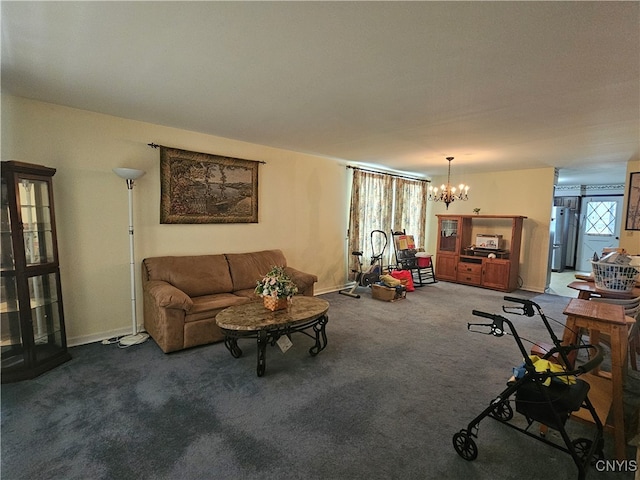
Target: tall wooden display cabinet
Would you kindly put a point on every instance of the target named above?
(458, 261)
(32, 328)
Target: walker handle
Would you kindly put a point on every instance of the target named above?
(528, 304)
(497, 327)
(478, 313)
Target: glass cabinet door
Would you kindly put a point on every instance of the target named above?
(6, 245)
(45, 314)
(32, 331)
(448, 234)
(36, 220)
(11, 349)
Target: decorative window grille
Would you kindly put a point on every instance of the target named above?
(601, 218)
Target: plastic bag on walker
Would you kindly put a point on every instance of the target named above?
(543, 366)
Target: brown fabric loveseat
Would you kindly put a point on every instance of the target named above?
(183, 294)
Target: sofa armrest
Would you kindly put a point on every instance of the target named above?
(167, 296)
(304, 281)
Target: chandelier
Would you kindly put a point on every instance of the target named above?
(447, 193)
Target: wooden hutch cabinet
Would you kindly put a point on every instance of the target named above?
(457, 259)
(32, 333)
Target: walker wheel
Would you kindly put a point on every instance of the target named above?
(465, 446)
(503, 411)
(583, 446)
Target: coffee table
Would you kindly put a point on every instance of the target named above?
(253, 320)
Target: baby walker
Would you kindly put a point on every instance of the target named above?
(372, 275)
(544, 395)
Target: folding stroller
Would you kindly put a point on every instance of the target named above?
(547, 397)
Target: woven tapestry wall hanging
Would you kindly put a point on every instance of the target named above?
(203, 188)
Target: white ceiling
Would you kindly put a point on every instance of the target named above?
(399, 85)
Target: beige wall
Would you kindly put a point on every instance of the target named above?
(303, 207)
(524, 192)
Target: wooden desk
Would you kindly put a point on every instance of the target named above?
(607, 318)
(586, 290)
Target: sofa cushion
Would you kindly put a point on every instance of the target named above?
(249, 293)
(195, 275)
(208, 306)
(247, 268)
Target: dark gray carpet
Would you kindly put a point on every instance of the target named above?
(382, 401)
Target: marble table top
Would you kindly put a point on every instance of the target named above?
(254, 316)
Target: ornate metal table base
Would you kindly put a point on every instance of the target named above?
(271, 336)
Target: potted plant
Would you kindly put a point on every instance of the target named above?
(276, 289)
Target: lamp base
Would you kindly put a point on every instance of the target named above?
(129, 340)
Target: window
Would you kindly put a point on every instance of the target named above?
(601, 218)
(384, 202)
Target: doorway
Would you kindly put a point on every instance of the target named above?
(600, 221)
(595, 223)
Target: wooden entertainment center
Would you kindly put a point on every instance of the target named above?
(458, 261)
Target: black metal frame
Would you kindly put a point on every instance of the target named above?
(372, 275)
(546, 408)
(270, 336)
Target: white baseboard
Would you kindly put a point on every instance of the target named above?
(322, 291)
(532, 289)
(98, 337)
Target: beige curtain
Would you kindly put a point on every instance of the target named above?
(410, 210)
(371, 209)
(375, 206)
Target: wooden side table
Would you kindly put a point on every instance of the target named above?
(606, 388)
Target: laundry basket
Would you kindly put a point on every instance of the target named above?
(612, 277)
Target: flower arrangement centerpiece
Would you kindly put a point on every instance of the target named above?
(276, 289)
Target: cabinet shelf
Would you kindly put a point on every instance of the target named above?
(457, 261)
(33, 336)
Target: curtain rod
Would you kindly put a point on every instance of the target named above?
(155, 145)
(389, 174)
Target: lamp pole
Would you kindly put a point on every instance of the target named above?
(130, 174)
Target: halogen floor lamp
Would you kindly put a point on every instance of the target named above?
(130, 174)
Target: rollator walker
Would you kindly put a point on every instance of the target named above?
(547, 397)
